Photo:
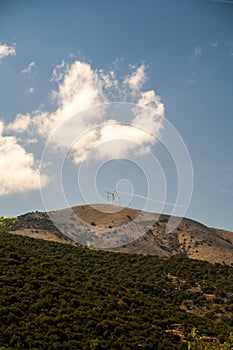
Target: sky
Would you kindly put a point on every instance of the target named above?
(134, 96)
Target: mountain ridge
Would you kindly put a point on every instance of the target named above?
(190, 238)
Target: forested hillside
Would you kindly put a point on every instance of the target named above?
(57, 296)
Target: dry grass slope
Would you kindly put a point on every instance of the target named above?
(190, 238)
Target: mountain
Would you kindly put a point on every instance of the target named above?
(128, 230)
(65, 296)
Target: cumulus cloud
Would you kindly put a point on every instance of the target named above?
(80, 87)
(136, 80)
(19, 171)
(7, 50)
(118, 140)
(112, 139)
(29, 68)
(149, 107)
(20, 124)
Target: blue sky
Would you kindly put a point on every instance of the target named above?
(186, 49)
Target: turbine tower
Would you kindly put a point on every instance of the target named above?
(111, 196)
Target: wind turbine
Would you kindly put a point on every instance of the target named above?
(112, 195)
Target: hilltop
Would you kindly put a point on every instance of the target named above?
(110, 227)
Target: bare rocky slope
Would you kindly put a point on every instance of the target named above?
(122, 231)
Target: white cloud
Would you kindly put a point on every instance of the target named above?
(20, 124)
(29, 68)
(149, 99)
(80, 87)
(7, 50)
(29, 141)
(19, 172)
(111, 140)
(31, 90)
(136, 80)
(118, 140)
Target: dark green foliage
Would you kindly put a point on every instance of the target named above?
(197, 341)
(56, 296)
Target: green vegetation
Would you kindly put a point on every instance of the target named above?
(55, 296)
(198, 342)
(6, 223)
